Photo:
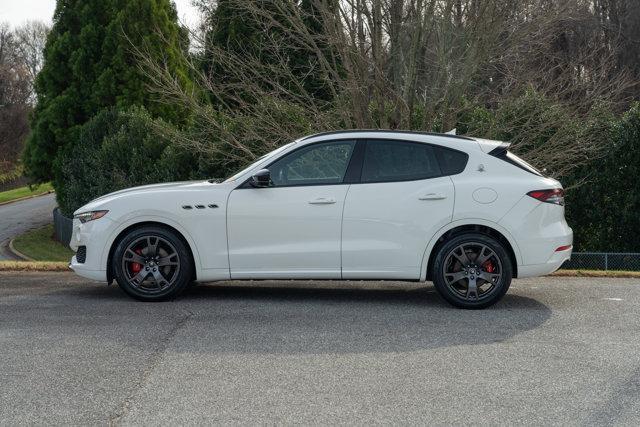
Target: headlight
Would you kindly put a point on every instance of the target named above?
(90, 216)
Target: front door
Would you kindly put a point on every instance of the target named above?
(292, 228)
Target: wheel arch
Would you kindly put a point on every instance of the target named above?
(482, 227)
(128, 228)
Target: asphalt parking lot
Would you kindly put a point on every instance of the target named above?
(554, 351)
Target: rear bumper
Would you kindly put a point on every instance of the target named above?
(554, 263)
(543, 254)
(539, 230)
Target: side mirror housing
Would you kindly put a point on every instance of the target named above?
(261, 179)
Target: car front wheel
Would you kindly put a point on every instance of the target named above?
(152, 264)
(472, 271)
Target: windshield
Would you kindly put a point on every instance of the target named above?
(259, 160)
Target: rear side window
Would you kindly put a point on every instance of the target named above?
(452, 162)
(387, 160)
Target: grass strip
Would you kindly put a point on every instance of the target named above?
(40, 245)
(22, 192)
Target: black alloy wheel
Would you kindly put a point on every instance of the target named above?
(152, 264)
(472, 271)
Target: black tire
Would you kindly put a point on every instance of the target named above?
(167, 269)
(461, 281)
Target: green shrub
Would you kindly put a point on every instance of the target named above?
(116, 150)
(603, 211)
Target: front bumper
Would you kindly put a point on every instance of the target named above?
(93, 235)
(81, 270)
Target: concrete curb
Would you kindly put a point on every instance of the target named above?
(8, 202)
(34, 266)
(56, 266)
(17, 253)
(615, 274)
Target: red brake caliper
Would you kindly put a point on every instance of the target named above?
(488, 267)
(135, 267)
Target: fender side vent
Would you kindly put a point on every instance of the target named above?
(213, 206)
(187, 207)
(199, 206)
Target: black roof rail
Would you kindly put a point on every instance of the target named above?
(336, 132)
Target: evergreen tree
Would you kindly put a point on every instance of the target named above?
(231, 28)
(305, 62)
(90, 65)
(235, 27)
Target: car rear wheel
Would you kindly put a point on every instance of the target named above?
(472, 271)
(152, 264)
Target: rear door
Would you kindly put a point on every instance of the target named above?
(403, 198)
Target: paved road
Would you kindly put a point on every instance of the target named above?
(554, 351)
(18, 217)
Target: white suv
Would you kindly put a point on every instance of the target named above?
(375, 205)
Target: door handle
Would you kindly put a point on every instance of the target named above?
(433, 196)
(322, 201)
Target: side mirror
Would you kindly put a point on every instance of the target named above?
(261, 179)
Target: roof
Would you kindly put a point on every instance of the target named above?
(401, 132)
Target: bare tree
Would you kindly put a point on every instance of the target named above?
(7, 43)
(31, 38)
(409, 64)
(620, 20)
(15, 89)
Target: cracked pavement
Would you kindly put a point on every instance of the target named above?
(554, 351)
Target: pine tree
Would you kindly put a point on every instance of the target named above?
(233, 27)
(306, 62)
(90, 65)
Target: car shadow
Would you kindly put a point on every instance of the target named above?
(291, 319)
(286, 318)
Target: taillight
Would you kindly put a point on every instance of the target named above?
(555, 196)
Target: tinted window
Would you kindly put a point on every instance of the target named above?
(398, 161)
(452, 162)
(316, 164)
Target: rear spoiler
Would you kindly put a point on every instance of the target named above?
(500, 150)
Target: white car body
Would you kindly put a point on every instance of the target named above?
(380, 230)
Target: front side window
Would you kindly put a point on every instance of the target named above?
(386, 161)
(317, 164)
(261, 159)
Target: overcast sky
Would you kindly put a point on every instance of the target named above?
(15, 12)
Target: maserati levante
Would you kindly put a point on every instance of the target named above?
(463, 212)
